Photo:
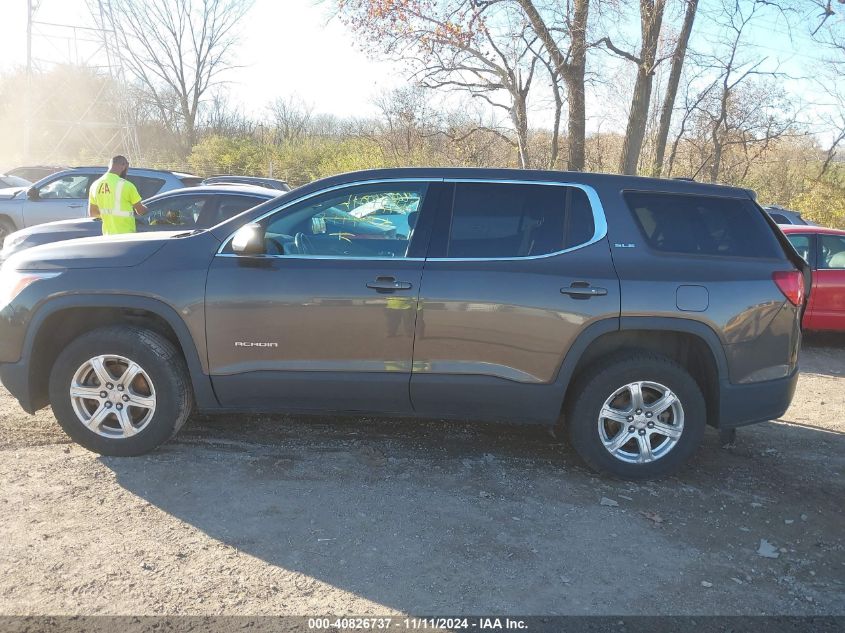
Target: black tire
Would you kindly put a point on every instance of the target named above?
(161, 361)
(590, 392)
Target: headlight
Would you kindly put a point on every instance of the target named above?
(14, 282)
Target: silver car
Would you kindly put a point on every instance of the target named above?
(64, 195)
(190, 208)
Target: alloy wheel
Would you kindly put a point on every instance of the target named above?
(113, 396)
(641, 422)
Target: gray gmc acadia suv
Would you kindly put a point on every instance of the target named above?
(633, 311)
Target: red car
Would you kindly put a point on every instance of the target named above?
(824, 250)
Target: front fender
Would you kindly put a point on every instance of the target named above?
(201, 382)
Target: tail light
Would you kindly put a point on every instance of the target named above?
(791, 284)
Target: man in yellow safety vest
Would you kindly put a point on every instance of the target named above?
(115, 199)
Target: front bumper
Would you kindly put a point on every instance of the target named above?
(750, 403)
(15, 377)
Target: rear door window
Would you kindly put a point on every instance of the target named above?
(228, 207)
(703, 225)
(502, 220)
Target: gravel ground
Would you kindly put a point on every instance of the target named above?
(294, 515)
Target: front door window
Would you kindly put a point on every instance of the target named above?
(832, 252)
(67, 187)
(177, 212)
(368, 221)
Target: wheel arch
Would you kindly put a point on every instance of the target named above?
(694, 345)
(6, 218)
(58, 321)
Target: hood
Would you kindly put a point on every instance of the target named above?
(64, 227)
(118, 251)
(7, 193)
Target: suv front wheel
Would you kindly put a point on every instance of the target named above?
(636, 416)
(120, 390)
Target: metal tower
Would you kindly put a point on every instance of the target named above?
(91, 46)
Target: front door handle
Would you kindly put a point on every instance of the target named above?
(75, 206)
(583, 290)
(388, 284)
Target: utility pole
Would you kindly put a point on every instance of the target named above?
(27, 130)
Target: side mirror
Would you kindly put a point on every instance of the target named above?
(249, 240)
(32, 193)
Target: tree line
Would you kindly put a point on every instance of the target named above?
(672, 88)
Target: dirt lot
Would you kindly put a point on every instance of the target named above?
(316, 516)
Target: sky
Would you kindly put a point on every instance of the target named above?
(292, 47)
(287, 47)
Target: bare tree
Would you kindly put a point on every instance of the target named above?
(405, 124)
(674, 80)
(651, 21)
(177, 50)
(740, 111)
(833, 111)
(827, 11)
(569, 62)
(558, 100)
(692, 102)
(221, 117)
(291, 117)
(481, 47)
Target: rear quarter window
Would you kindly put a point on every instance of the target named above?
(146, 186)
(703, 225)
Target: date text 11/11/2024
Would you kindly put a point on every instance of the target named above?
(418, 624)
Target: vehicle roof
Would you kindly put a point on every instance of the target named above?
(774, 208)
(596, 179)
(809, 228)
(38, 167)
(274, 179)
(222, 189)
(179, 174)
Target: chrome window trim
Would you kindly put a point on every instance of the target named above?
(599, 220)
(329, 257)
(170, 194)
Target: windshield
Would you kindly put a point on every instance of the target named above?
(14, 181)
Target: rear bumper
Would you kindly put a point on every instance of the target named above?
(750, 403)
(15, 377)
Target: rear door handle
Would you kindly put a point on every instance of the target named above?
(582, 290)
(387, 284)
(75, 206)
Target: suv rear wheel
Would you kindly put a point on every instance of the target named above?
(636, 416)
(120, 390)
